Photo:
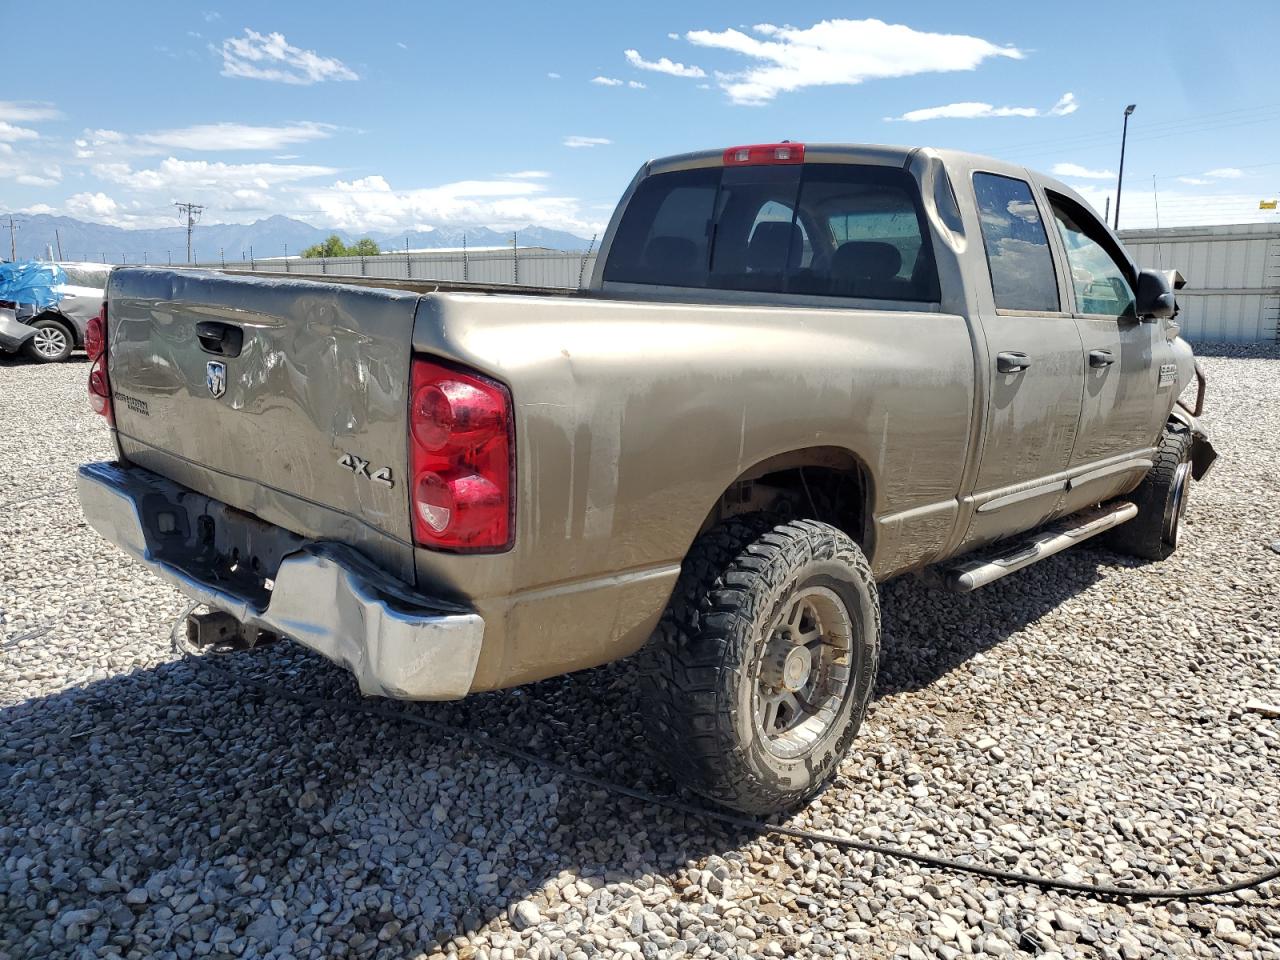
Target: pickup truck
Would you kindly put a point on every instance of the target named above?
(798, 370)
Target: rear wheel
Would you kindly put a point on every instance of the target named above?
(758, 677)
(1162, 502)
(52, 343)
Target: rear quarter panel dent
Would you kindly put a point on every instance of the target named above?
(634, 418)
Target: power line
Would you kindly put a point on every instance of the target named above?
(191, 211)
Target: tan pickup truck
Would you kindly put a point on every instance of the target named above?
(798, 371)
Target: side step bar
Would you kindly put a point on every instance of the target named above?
(978, 572)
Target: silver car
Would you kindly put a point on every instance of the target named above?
(50, 335)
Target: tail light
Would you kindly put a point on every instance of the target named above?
(461, 459)
(764, 154)
(95, 345)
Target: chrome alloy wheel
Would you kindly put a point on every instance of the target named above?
(50, 342)
(1177, 504)
(803, 671)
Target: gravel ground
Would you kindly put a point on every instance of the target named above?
(1084, 718)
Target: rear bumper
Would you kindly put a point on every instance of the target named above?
(325, 596)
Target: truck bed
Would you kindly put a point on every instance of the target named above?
(419, 286)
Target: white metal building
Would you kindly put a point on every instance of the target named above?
(1232, 273)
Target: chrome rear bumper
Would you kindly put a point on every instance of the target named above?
(325, 596)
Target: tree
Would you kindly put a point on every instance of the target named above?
(334, 247)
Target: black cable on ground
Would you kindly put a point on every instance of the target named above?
(671, 803)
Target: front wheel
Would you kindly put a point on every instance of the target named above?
(1162, 502)
(759, 674)
(52, 342)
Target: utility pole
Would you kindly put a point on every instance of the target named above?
(1120, 177)
(191, 212)
(13, 240)
(57, 236)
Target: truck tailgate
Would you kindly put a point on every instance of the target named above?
(305, 426)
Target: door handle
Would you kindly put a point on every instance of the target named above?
(1101, 358)
(222, 339)
(1010, 361)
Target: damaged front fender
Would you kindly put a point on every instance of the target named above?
(1203, 455)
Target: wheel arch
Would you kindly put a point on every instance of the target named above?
(828, 483)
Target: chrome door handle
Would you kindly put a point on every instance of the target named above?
(1101, 358)
(1011, 361)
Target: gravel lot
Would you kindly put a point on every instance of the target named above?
(1084, 718)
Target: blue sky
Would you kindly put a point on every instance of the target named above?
(395, 116)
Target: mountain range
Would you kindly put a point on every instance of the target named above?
(271, 237)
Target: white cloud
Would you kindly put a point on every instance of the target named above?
(402, 45)
(91, 206)
(637, 85)
(1194, 181)
(526, 175)
(673, 36)
(607, 81)
(270, 56)
(37, 209)
(236, 136)
(25, 171)
(174, 174)
(974, 110)
(27, 111)
(11, 133)
(663, 65)
(371, 203)
(586, 142)
(839, 52)
(1225, 173)
(211, 15)
(1084, 173)
(553, 75)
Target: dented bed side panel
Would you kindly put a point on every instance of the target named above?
(633, 418)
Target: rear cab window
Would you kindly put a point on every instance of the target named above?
(1017, 246)
(844, 230)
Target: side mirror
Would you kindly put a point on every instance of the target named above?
(1154, 296)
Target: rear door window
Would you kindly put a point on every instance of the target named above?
(825, 229)
(1022, 276)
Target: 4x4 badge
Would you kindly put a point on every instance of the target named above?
(215, 377)
(360, 467)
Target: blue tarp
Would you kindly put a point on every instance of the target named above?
(31, 281)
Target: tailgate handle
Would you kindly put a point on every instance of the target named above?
(223, 339)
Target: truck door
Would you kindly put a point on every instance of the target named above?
(1036, 365)
(1122, 413)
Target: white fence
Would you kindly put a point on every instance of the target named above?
(539, 268)
(1232, 273)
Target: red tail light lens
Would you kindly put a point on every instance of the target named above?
(95, 344)
(461, 440)
(95, 337)
(100, 389)
(764, 154)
